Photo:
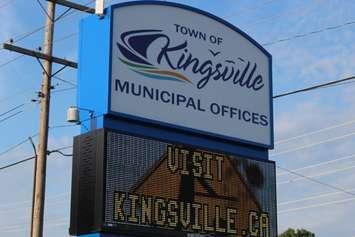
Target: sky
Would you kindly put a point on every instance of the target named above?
(314, 131)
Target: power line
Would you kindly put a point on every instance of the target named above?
(312, 197)
(62, 153)
(328, 84)
(65, 81)
(11, 60)
(313, 144)
(318, 175)
(297, 36)
(48, 225)
(17, 163)
(59, 150)
(23, 209)
(315, 132)
(16, 145)
(55, 196)
(15, 113)
(247, 9)
(65, 37)
(316, 181)
(293, 10)
(14, 94)
(20, 37)
(12, 109)
(321, 163)
(11, 116)
(32, 136)
(316, 205)
(50, 128)
(340, 84)
(64, 89)
(66, 13)
(62, 126)
(51, 223)
(314, 87)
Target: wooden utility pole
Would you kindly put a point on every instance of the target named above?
(40, 175)
(41, 157)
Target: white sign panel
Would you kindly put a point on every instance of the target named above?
(184, 68)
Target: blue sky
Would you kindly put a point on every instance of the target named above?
(326, 116)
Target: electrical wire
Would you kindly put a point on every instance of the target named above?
(65, 37)
(317, 175)
(16, 145)
(315, 205)
(313, 144)
(17, 163)
(67, 13)
(320, 164)
(248, 9)
(59, 150)
(314, 87)
(51, 197)
(10, 116)
(47, 223)
(50, 128)
(32, 136)
(316, 181)
(28, 208)
(11, 60)
(312, 197)
(65, 81)
(297, 36)
(314, 132)
(300, 9)
(14, 94)
(12, 109)
(21, 229)
(64, 89)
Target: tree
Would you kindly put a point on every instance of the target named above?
(297, 233)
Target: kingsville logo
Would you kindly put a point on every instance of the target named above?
(179, 59)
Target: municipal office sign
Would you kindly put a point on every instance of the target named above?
(182, 68)
(181, 101)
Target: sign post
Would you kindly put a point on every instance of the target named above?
(183, 105)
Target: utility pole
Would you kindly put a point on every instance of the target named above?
(41, 157)
(40, 175)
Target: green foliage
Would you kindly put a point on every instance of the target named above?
(297, 233)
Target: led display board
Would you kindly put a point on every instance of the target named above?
(127, 184)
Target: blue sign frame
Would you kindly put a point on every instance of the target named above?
(101, 103)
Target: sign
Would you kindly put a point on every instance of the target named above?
(127, 184)
(183, 68)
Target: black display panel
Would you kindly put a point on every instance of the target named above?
(147, 187)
